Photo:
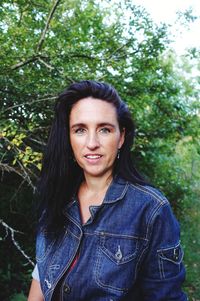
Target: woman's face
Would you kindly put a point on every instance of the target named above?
(95, 136)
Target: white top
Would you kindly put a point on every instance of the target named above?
(35, 273)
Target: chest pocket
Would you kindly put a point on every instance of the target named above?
(117, 260)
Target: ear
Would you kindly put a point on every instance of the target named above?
(122, 138)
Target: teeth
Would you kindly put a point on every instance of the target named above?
(93, 157)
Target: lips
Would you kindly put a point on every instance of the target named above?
(93, 156)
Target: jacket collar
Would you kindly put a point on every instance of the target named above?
(116, 190)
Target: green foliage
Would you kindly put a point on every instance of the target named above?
(18, 297)
(45, 45)
(191, 243)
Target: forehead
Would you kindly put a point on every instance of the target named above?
(93, 109)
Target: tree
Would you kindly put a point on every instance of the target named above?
(45, 45)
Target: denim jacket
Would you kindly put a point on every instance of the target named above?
(128, 250)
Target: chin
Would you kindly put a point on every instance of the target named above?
(99, 173)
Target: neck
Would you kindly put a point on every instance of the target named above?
(96, 184)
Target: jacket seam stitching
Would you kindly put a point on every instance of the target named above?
(152, 193)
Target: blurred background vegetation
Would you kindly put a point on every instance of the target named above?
(46, 45)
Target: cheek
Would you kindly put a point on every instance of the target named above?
(114, 146)
(76, 144)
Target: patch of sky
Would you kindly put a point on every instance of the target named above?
(68, 13)
(10, 6)
(39, 15)
(4, 27)
(113, 71)
(37, 31)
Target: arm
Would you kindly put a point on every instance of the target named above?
(162, 271)
(35, 293)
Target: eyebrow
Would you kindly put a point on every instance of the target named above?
(98, 125)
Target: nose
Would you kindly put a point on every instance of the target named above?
(93, 141)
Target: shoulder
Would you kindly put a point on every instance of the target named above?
(142, 193)
(138, 195)
(148, 193)
(147, 199)
(154, 208)
(153, 201)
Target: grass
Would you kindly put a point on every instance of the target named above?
(190, 235)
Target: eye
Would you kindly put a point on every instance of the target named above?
(105, 130)
(79, 131)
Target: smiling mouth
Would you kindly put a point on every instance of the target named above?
(93, 156)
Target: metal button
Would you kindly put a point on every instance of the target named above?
(66, 289)
(176, 254)
(118, 254)
(47, 283)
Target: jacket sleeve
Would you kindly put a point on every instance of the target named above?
(163, 271)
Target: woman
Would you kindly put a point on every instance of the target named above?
(104, 234)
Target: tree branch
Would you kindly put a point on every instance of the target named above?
(45, 64)
(29, 103)
(41, 41)
(41, 143)
(24, 174)
(23, 63)
(119, 48)
(84, 56)
(8, 168)
(29, 60)
(25, 171)
(15, 194)
(12, 235)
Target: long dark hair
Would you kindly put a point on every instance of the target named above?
(60, 175)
